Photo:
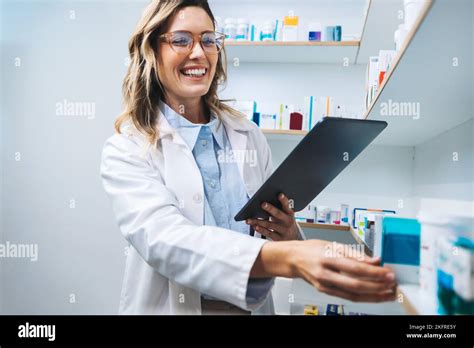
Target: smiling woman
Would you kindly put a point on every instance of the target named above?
(163, 52)
(188, 61)
(175, 194)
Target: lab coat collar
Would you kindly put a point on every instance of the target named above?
(236, 123)
(190, 131)
(231, 123)
(236, 128)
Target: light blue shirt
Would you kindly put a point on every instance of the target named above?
(224, 189)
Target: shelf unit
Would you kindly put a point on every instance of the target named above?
(323, 52)
(399, 56)
(398, 85)
(334, 53)
(375, 36)
(405, 84)
(284, 135)
(324, 226)
(417, 62)
(285, 132)
(443, 106)
(354, 43)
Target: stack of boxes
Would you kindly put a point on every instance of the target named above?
(377, 69)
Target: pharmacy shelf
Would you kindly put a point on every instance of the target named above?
(278, 134)
(355, 43)
(284, 135)
(414, 302)
(281, 2)
(434, 79)
(287, 132)
(324, 226)
(376, 36)
(401, 53)
(292, 52)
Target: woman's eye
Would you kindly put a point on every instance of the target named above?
(180, 41)
(208, 41)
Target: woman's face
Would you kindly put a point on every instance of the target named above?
(174, 68)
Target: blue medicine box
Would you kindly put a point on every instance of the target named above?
(401, 248)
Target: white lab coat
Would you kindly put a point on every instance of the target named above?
(158, 199)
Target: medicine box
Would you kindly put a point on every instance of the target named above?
(401, 248)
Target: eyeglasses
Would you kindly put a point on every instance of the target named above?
(182, 42)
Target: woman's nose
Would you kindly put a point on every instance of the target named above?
(197, 51)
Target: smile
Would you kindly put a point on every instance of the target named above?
(194, 72)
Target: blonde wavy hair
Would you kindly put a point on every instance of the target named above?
(142, 89)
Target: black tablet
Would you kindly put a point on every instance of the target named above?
(321, 155)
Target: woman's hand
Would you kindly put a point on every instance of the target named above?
(333, 268)
(342, 271)
(281, 225)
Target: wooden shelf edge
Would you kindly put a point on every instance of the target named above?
(352, 43)
(415, 302)
(357, 238)
(398, 58)
(410, 309)
(364, 26)
(324, 226)
(282, 131)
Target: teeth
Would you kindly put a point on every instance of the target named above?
(194, 72)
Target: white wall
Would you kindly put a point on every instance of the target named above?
(81, 250)
(2, 280)
(437, 175)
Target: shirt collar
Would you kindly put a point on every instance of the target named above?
(190, 131)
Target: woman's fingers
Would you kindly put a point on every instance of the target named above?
(373, 260)
(354, 285)
(360, 279)
(277, 213)
(273, 235)
(361, 269)
(285, 203)
(269, 225)
(361, 256)
(389, 295)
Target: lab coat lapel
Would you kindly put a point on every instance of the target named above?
(187, 184)
(239, 141)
